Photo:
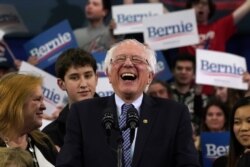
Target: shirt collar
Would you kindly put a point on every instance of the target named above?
(119, 102)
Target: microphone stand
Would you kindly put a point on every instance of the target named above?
(119, 152)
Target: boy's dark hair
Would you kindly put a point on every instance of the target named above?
(75, 57)
(184, 57)
(211, 6)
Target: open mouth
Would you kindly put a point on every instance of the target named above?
(200, 13)
(128, 76)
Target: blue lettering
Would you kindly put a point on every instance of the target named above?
(122, 18)
(51, 95)
(216, 151)
(169, 30)
(51, 45)
(221, 68)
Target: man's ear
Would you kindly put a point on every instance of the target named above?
(107, 73)
(61, 84)
(150, 77)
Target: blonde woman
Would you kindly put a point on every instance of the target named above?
(21, 101)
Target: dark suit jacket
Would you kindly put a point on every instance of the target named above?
(164, 140)
(56, 129)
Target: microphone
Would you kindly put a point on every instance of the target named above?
(132, 122)
(108, 121)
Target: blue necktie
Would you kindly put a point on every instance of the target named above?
(126, 145)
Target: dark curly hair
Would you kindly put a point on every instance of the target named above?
(211, 4)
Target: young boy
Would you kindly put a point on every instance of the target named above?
(76, 73)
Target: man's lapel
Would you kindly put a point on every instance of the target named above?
(115, 134)
(147, 118)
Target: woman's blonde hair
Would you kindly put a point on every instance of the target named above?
(15, 157)
(15, 88)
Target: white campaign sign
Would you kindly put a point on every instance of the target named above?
(129, 18)
(171, 30)
(220, 69)
(104, 88)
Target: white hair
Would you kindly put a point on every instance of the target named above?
(151, 55)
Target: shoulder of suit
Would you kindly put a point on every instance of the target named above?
(93, 100)
(167, 102)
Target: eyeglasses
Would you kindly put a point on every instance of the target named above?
(134, 59)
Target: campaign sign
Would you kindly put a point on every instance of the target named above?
(53, 95)
(220, 69)
(129, 18)
(172, 30)
(162, 69)
(213, 145)
(48, 45)
(10, 21)
(104, 88)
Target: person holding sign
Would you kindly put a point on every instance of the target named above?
(96, 36)
(214, 36)
(183, 88)
(215, 117)
(97, 133)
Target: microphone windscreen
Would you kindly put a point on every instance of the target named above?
(132, 118)
(108, 119)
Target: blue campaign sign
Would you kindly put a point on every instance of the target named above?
(48, 45)
(213, 145)
(162, 70)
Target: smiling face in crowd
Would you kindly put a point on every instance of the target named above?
(33, 110)
(215, 119)
(183, 72)
(79, 83)
(130, 72)
(241, 125)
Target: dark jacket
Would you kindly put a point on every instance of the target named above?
(48, 150)
(163, 139)
(244, 161)
(56, 129)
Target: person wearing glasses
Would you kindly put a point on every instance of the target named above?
(164, 133)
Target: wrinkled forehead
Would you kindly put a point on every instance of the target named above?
(130, 48)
